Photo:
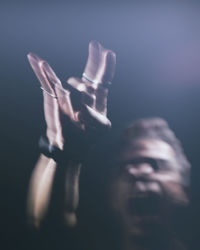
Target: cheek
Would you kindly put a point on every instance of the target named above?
(167, 176)
(172, 191)
(120, 191)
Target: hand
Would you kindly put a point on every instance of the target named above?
(90, 111)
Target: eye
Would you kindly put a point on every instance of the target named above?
(163, 164)
(154, 163)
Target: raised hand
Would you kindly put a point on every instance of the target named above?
(93, 85)
(90, 111)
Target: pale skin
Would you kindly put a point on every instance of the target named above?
(93, 86)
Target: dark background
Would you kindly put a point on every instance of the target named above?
(158, 74)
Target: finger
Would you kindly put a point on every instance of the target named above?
(106, 67)
(100, 65)
(63, 95)
(103, 78)
(65, 103)
(93, 118)
(43, 72)
(48, 80)
(52, 118)
(94, 58)
(101, 100)
(78, 84)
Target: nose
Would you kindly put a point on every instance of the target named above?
(139, 170)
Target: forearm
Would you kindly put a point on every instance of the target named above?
(71, 193)
(40, 189)
(41, 185)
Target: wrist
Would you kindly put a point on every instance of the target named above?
(55, 139)
(60, 156)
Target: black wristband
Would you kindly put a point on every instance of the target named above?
(59, 156)
(51, 150)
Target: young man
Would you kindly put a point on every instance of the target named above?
(150, 186)
(147, 173)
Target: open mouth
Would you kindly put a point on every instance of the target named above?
(145, 205)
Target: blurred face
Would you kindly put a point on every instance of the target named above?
(147, 185)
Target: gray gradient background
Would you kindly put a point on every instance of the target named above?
(157, 74)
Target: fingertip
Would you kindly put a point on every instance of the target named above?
(33, 57)
(111, 57)
(29, 55)
(70, 80)
(94, 45)
(97, 117)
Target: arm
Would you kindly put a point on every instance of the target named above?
(91, 114)
(40, 189)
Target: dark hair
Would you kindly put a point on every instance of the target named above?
(157, 128)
